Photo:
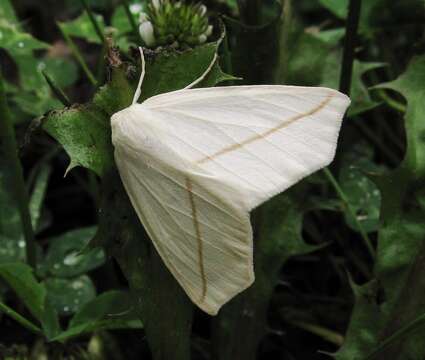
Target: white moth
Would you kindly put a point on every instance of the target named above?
(195, 162)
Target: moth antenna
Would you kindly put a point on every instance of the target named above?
(202, 77)
(142, 75)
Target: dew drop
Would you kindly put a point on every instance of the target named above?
(41, 66)
(77, 285)
(72, 259)
(135, 8)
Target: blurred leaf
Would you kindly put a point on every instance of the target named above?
(338, 7)
(21, 279)
(64, 257)
(401, 246)
(50, 320)
(36, 97)
(17, 42)
(331, 37)
(20, 46)
(120, 20)
(359, 94)
(10, 221)
(64, 71)
(7, 12)
(38, 194)
(68, 296)
(82, 27)
(369, 10)
(110, 310)
(361, 192)
(84, 130)
(32, 104)
(307, 57)
(11, 250)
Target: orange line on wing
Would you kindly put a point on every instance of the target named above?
(266, 133)
(198, 238)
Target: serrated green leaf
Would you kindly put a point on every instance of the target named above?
(84, 130)
(410, 85)
(360, 338)
(401, 246)
(370, 10)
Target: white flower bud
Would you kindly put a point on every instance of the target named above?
(143, 17)
(202, 10)
(209, 30)
(202, 38)
(147, 33)
(178, 5)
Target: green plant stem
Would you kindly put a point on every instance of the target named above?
(131, 20)
(344, 199)
(396, 105)
(326, 334)
(286, 19)
(78, 56)
(349, 46)
(7, 136)
(20, 319)
(56, 90)
(96, 26)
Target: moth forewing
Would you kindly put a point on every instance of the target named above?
(195, 162)
(204, 239)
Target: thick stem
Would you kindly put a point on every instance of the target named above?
(9, 145)
(56, 90)
(78, 56)
(250, 11)
(349, 46)
(20, 319)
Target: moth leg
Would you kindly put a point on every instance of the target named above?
(142, 75)
(202, 77)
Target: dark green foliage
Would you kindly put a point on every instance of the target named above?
(100, 290)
